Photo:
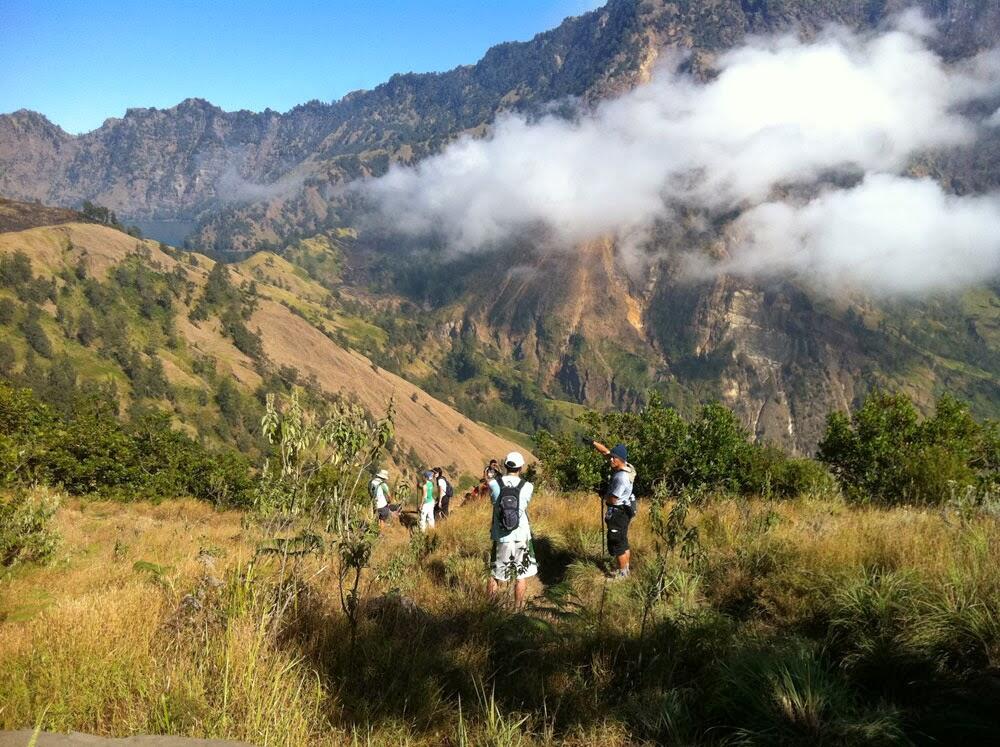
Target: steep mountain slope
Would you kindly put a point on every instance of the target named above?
(428, 431)
(580, 328)
(194, 157)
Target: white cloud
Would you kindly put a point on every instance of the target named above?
(887, 234)
(780, 112)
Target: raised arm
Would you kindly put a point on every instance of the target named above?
(601, 447)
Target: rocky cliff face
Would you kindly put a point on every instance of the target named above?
(579, 325)
(195, 159)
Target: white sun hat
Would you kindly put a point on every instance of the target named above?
(514, 460)
(383, 473)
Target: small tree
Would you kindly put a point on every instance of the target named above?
(884, 452)
(7, 310)
(314, 485)
(34, 334)
(86, 329)
(8, 357)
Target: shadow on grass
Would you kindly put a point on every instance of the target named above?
(409, 519)
(553, 561)
(704, 678)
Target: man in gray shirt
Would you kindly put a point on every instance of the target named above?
(620, 505)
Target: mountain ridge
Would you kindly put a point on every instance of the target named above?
(426, 429)
(781, 355)
(591, 56)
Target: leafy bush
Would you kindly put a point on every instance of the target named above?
(15, 270)
(884, 452)
(774, 473)
(712, 451)
(34, 334)
(26, 535)
(8, 357)
(7, 310)
(16, 273)
(87, 449)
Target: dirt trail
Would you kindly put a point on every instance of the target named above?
(75, 739)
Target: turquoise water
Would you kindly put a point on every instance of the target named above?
(171, 232)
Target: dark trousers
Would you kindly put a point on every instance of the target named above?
(441, 509)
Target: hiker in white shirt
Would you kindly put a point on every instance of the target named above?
(378, 489)
(513, 556)
(444, 491)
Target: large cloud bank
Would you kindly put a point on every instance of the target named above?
(780, 114)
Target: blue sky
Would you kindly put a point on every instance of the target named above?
(79, 63)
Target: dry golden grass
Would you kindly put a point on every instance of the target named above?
(100, 644)
(86, 640)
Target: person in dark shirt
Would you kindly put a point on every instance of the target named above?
(619, 500)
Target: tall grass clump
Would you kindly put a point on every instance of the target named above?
(26, 531)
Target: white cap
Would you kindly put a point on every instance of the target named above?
(514, 460)
(382, 473)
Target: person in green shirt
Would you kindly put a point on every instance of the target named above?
(427, 499)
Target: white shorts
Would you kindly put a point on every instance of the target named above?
(426, 515)
(508, 555)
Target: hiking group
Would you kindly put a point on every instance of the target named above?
(513, 555)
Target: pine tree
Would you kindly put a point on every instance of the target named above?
(86, 329)
(7, 359)
(34, 334)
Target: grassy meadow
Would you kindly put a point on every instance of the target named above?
(799, 621)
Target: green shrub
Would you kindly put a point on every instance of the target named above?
(8, 357)
(712, 452)
(86, 449)
(34, 334)
(716, 452)
(569, 464)
(884, 453)
(15, 269)
(7, 310)
(774, 473)
(26, 534)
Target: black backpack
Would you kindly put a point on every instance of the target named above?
(509, 505)
(449, 491)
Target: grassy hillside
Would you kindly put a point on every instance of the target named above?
(799, 622)
(17, 216)
(171, 334)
